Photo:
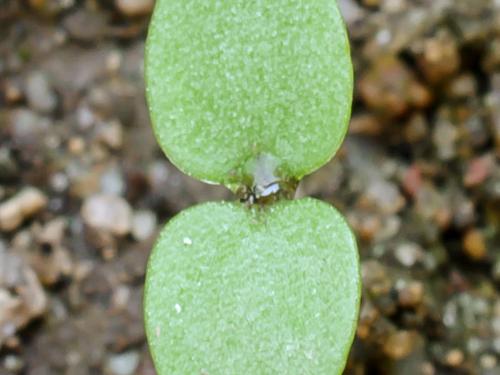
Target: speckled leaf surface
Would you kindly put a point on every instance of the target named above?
(233, 290)
(230, 81)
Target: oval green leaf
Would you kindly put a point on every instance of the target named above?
(233, 290)
(231, 81)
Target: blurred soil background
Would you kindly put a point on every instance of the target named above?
(84, 188)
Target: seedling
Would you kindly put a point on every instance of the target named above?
(253, 95)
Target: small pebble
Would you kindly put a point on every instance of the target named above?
(462, 87)
(21, 206)
(478, 170)
(411, 294)
(399, 344)
(408, 254)
(134, 8)
(365, 124)
(40, 95)
(416, 129)
(441, 58)
(351, 11)
(428, 369)
(412, 180)
(385, 196)
(29, 128)
(445, 136)
(375, 277)
(13, 363)
(474, 244)
(22, 298)
(124, 363)
(121, 297)
(114, 61)
(488, 361)
(12, 92)
(143, 224)
(53, 231)
(108, 212)
(111, 134)
(76, 145)
(59, 182)
(112, 182)
(454, 358)
(86, 24)
(85, 117)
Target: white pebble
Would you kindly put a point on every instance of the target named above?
(124, 363)
(108, 213)
(143, 224)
